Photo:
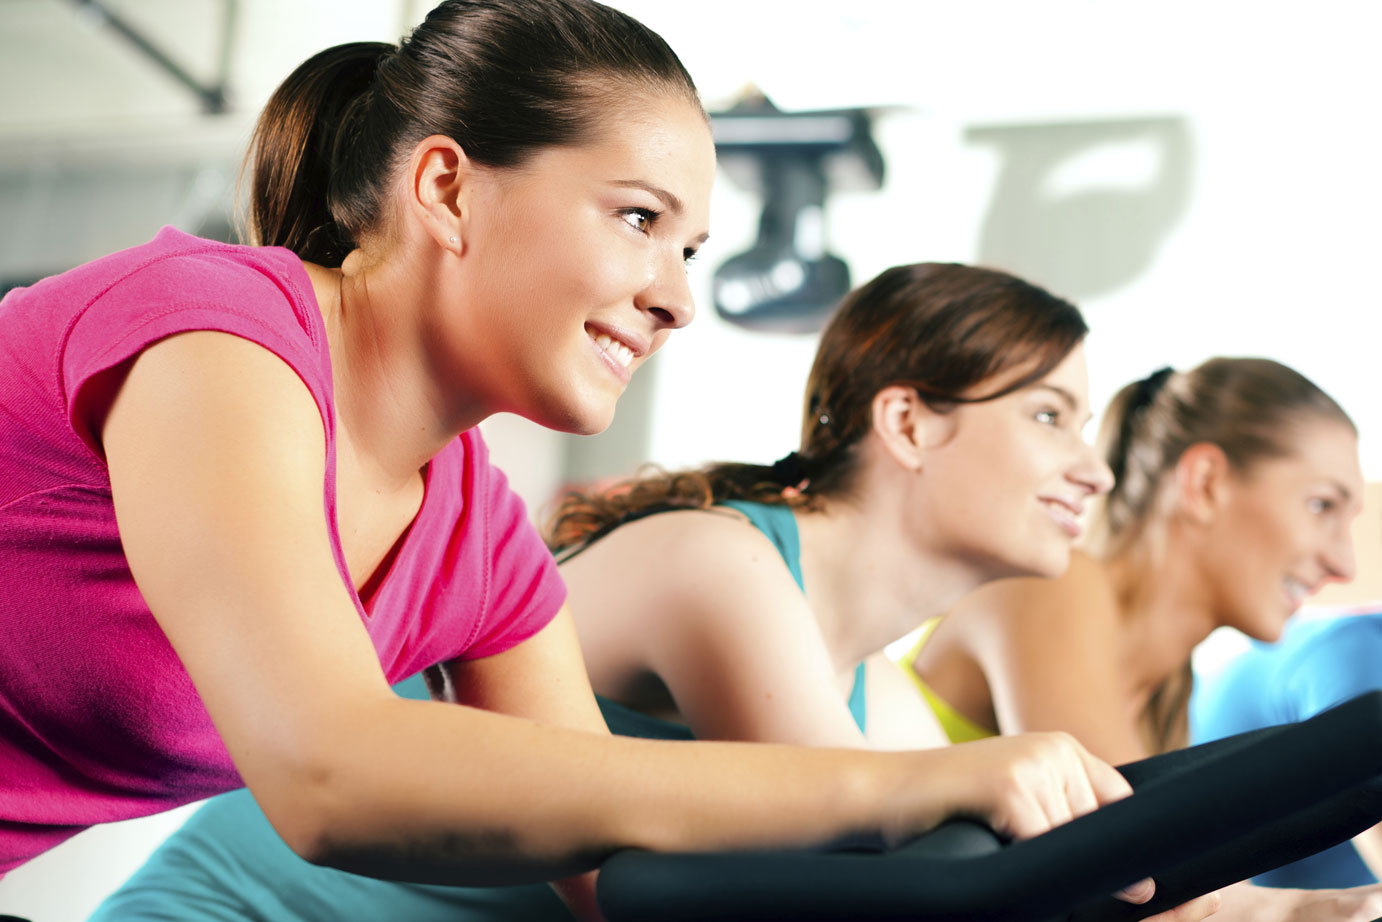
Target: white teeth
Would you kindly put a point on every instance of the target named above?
(614, 349)
(1296, 590)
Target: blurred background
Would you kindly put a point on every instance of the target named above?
(1201, 178)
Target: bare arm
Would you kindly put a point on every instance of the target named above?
(542, 679)
(725, 628)
(1369, 845)
(730, 634)
(216, 459)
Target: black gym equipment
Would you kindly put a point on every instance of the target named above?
(1199, 819)
(788, 281)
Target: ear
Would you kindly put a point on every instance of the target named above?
(1202, 481)
(907, 427)
(440, 176)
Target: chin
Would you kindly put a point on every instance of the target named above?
(1050, 565)
(576, 420)
(1045, 566)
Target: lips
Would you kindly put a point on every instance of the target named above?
(1296, 591)
(1065, 514)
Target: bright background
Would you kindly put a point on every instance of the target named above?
(1201, 178)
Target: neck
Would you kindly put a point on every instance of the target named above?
(392, 416)
(1164, 604)
(866, 582)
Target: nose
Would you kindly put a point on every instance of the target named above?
(1337, 558)
(1091, 471)
(667, 296)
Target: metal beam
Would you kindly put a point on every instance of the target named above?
(212, 98)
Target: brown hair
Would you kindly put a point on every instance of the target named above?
(503, 78)
(940, 328)
(1247, 407)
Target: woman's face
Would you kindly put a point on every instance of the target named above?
(577, 264)
(1011, 483)
(1282, 529)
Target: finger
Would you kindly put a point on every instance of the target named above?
(1107, 783)
(1025, 815)
(1140, 892)
(1199, 908)
(1079, 786)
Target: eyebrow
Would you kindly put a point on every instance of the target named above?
(1344, 491)
(1059, 391)
(674, 204)
(1066, 396)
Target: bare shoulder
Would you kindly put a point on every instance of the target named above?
(1084, 585)
(674, 578)
(678, 547)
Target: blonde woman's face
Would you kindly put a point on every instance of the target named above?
(1010, 487)
(1284, 529)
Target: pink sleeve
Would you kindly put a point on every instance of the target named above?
(526, 589)
(180, 294)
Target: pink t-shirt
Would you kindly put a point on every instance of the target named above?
(98, 719)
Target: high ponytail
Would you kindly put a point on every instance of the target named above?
(296, 148)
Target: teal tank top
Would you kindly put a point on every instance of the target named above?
(226, 862)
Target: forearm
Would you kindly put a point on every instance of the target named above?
(443, 793)
(1244, 902)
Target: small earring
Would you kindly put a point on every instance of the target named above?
(453, 239)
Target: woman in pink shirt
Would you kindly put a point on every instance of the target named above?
(242, 491)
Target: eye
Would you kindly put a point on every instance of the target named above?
(1048, 417)
(1320, 506)
(640, 219)
(688, 256)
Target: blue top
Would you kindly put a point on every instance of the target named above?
(1316, 665)
(227, 864)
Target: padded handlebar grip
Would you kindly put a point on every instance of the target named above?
(1199, 819)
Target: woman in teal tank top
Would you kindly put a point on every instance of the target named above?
(941, 448)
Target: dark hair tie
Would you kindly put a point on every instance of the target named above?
(790, 469)
(1149, 387)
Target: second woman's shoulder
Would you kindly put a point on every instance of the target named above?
(684, 539)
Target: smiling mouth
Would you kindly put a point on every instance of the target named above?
(1067, 518)
(619, 353)
(1296, 591)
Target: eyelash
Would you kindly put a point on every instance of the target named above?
(649, 217)
(1321, 506)
(1048, 417)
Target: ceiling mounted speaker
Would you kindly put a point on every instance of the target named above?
(788, 281)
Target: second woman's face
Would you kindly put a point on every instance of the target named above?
(577, 269)
(1283, 529)
(1012, 482)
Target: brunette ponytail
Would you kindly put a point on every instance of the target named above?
(295, 151)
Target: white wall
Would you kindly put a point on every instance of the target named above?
(1213, 191)
(1262, 242)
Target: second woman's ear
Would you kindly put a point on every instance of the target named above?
(907, 428)
(439, 179)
